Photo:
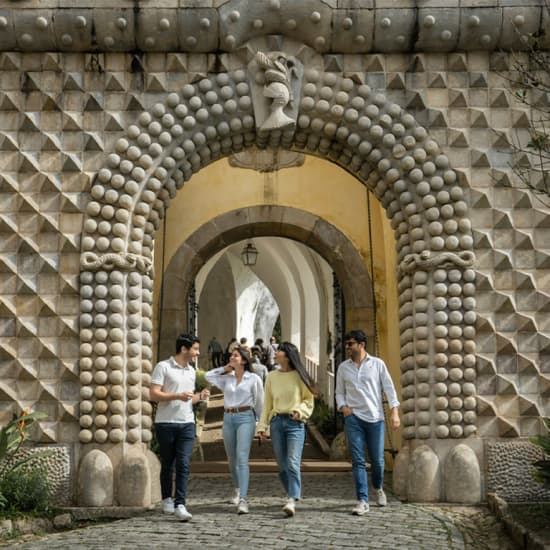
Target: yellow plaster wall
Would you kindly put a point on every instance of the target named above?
(318, 187)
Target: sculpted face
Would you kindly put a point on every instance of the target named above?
(278, 92)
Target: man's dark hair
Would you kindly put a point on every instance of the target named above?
(185, 341)
(358, 335)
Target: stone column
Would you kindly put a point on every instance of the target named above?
(115, 367)
(438, 369)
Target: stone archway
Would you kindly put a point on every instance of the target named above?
(338, 118)
(264, 221)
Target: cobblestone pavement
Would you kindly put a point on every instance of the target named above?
(323, 521)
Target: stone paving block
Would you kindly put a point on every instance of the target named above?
(320, 523)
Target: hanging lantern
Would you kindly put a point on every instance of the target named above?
(249, 254)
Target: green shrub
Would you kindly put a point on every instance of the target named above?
(26, 490)
(200, 381)
(23, 485)
(323, 417)
(542, 474)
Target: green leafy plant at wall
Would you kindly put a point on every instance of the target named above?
(201, 407)
(26, 490)
(542, 473)
(24, 484)
(323, 418)
(200, 380)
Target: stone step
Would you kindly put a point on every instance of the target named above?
(214, 413)
(259, 466)
(214, 450)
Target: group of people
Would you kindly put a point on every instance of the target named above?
(281, 408)
(261, 353)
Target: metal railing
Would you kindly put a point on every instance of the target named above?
(312, 368)
(329, 399)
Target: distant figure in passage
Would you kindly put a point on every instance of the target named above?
(231, 345)
(257, 366)
(215, 351)
(243, 343)
(271, 350)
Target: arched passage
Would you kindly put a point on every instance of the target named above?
(279, 221)
(289, 282)
(338, 118)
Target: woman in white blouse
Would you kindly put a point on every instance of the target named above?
(243, 397)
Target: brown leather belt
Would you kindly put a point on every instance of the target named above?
(237, 409)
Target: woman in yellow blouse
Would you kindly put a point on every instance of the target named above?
(288, 403)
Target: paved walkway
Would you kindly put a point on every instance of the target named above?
(323, 521)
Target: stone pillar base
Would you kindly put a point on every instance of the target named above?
(439, 471)
(125, 475)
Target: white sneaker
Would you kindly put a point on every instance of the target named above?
(361, 508)
(235, 498)
(182, 513)
(168, 505)
(290, 507)
(243, 507)
(381, 499)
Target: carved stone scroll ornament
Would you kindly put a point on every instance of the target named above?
(266, 160)
(276, 82)
(427, 261)
(125, 262)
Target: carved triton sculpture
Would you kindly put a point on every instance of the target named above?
(426, 261)
(126, 262)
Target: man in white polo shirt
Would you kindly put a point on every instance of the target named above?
(173, 387)
(359, 383)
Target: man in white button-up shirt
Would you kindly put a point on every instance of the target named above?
(359, 384)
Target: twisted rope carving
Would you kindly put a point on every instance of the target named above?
(427, 261)
(125, 262)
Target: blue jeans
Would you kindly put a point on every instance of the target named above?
(176, 446)
(238, 434)
(287, 440)
(370, 434)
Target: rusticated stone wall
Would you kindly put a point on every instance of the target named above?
(94, 145)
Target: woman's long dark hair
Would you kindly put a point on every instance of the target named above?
(295, 363)
(245, 357)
